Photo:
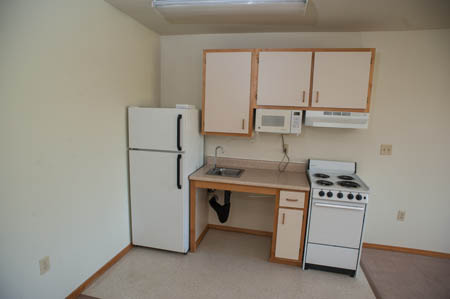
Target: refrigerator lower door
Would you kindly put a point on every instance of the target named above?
(156, 128)
(157, 200)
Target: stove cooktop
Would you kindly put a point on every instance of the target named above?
(337, 181)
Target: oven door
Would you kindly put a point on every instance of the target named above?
(336, 223)
(273, 121)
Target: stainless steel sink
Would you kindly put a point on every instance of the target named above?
(229, 172)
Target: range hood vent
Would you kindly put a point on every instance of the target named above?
(337, 119)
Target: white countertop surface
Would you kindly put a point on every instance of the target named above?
(271, 178)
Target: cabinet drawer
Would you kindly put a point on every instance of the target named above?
(289, 232)
(292, 199)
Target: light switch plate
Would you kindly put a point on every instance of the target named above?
(386, 149)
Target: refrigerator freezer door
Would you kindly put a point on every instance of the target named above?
(157, 216)
(156, 128)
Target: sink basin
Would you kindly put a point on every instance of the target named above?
(229, 172)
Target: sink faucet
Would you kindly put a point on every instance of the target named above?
(215, 155)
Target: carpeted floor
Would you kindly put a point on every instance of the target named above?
(402, 275)
(227, 265)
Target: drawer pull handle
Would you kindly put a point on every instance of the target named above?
(290, 199)
(317, 96)
(282, 221)
(303, 96)
(243, 123)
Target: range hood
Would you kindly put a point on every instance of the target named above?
(337, 119)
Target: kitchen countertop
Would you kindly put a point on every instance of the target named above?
(271, 178)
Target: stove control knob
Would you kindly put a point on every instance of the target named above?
(321, 193)
(350, 196)
(329, 194)
(340, 195)
(358, 197)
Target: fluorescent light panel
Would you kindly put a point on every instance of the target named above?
(231, 11)
(166, 3)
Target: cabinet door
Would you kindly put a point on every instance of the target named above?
(227, 90)
(284, 78)
(289, 231)
(341, 79)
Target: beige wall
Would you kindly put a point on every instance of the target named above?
(409, 110)
(68, 70)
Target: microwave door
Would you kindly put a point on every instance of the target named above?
(273, 121)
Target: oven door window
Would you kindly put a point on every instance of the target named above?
(336, 224)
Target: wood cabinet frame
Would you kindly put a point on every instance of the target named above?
(258, 51)
(254, 84)
(273, 258)
(314, 50)
(252, 100)
(194, 242)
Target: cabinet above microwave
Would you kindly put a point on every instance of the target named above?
(315, 79)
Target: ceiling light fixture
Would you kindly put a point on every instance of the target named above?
(228, 11)
(166, 3)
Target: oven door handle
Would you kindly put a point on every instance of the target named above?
(338, 207)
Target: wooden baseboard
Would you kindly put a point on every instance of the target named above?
(285, 261)
(407, 250)
(97, 274)
(202, 235)
(240, 230)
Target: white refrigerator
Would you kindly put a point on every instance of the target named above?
(165, 147)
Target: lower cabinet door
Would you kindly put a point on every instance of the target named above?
(289, 231)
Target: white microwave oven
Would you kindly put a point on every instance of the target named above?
(278, 121)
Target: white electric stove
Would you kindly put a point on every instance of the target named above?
(336, 216)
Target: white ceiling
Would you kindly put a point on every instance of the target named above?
(321, 15)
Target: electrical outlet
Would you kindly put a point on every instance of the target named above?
(401, 215)
(286, 148)
(386, 149)
(44, 265)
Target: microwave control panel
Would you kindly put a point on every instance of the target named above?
(296, 122)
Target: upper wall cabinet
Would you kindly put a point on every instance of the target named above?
(228, 92)
(284, 78)
(238, 80)
(342, 79)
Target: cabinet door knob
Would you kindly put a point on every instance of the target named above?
(282, 221)
(243, 124)
(303, 96)
(317, 96)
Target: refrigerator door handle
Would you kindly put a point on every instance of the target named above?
(178, 172)
(178, 132)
